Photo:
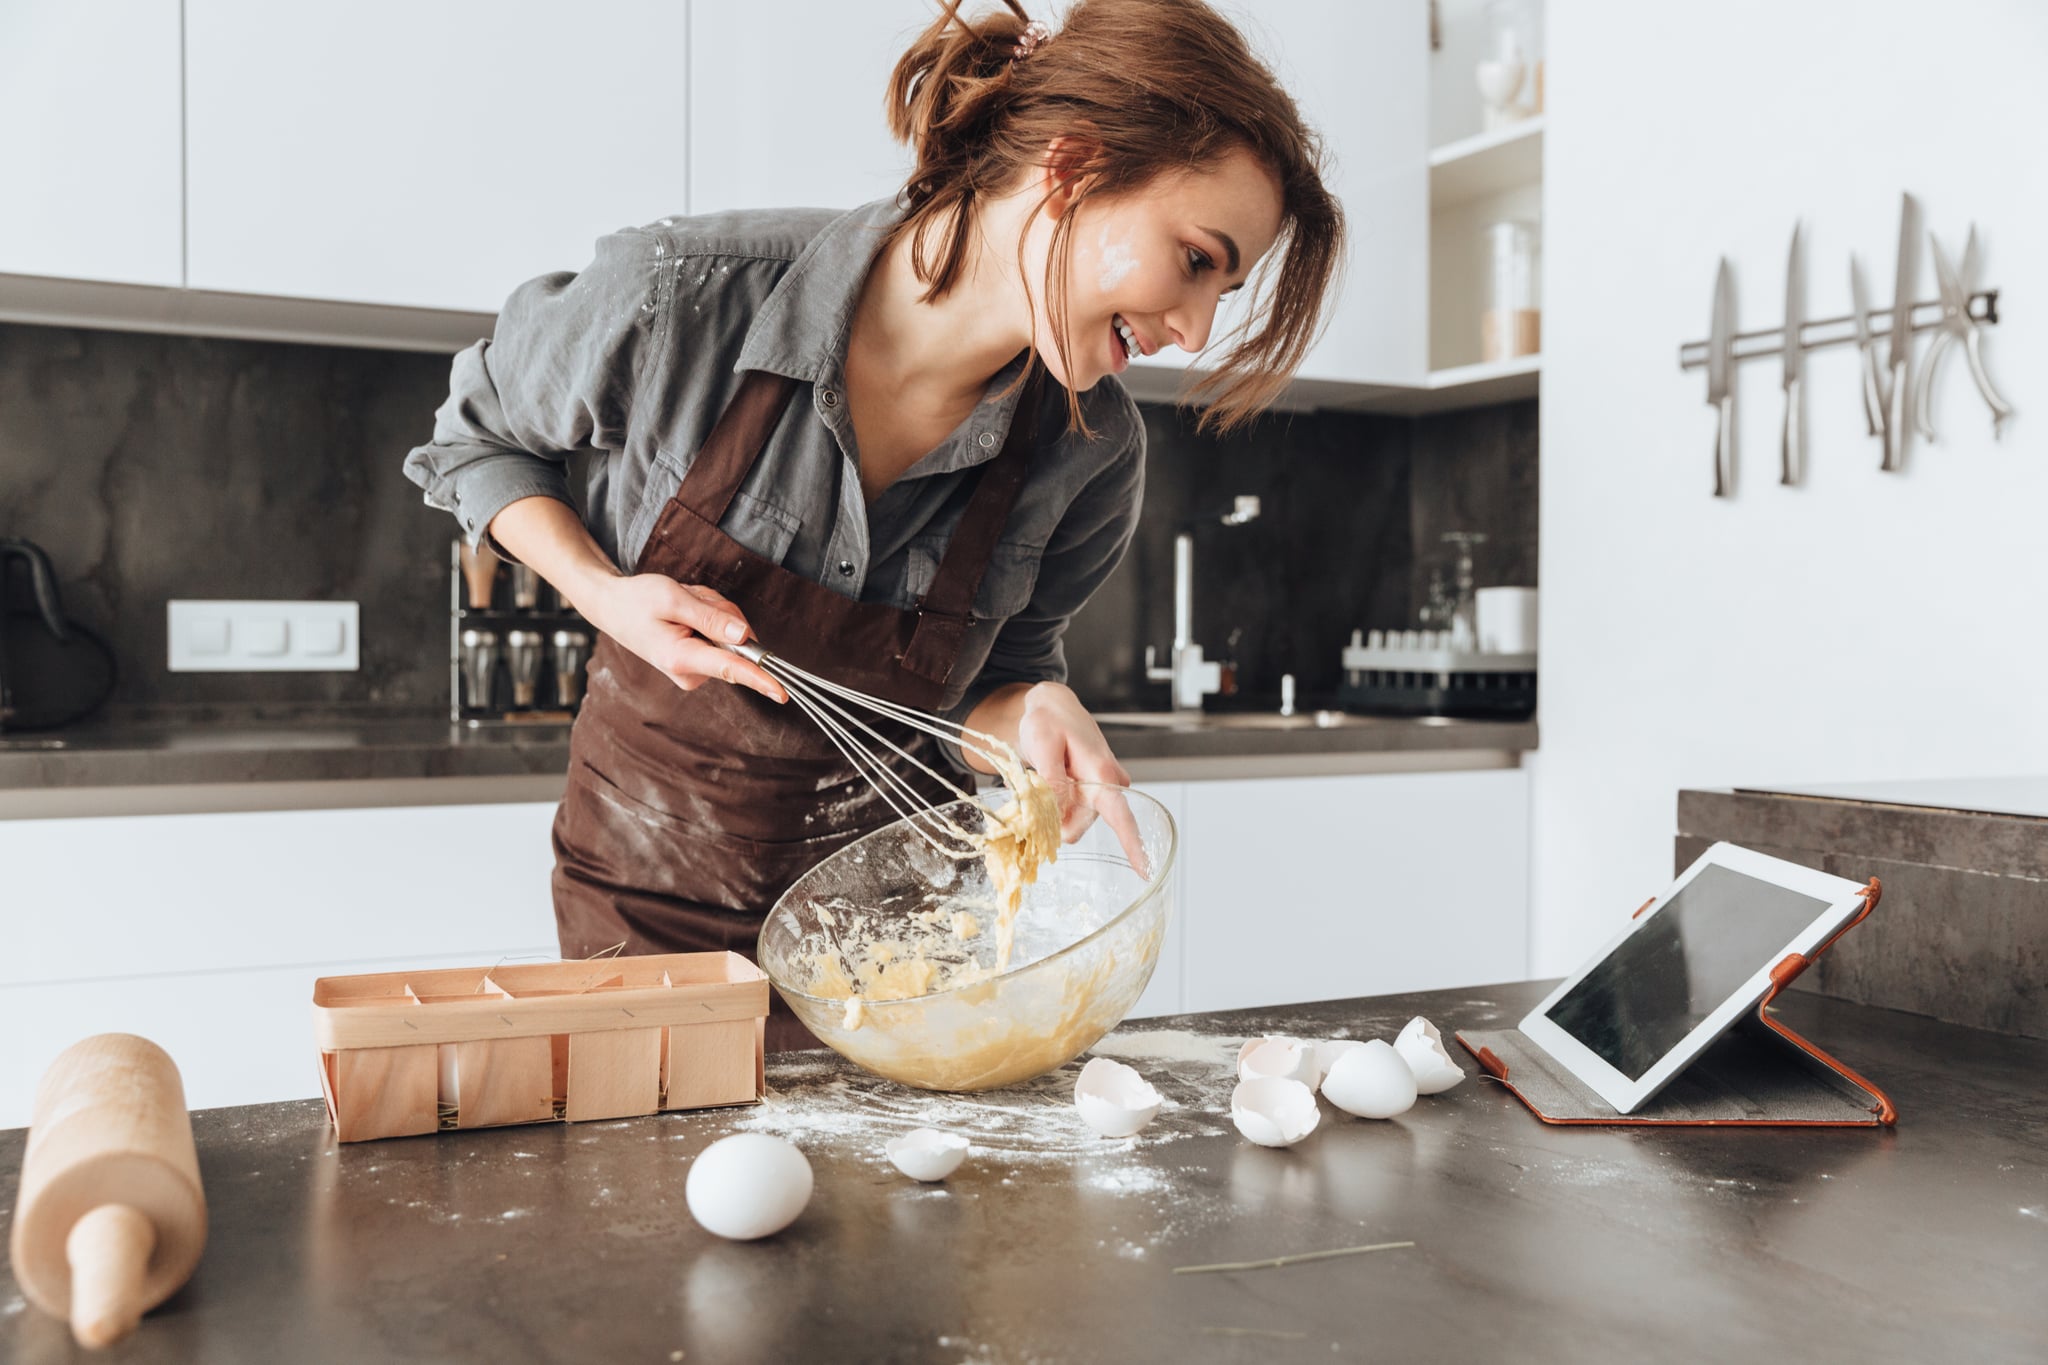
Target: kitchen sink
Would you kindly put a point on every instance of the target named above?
(1230, 720)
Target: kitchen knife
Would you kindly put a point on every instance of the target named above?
(1789, 452)
(1866, 351)
(1720, 394)
(1901, 354)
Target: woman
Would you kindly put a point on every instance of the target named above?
(887, 441)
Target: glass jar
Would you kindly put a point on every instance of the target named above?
(1511, 317)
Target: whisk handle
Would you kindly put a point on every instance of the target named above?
(751, 652)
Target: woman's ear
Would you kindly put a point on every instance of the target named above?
(1069, 159)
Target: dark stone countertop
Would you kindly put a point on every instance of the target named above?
(1532, 1243)
(286, 748)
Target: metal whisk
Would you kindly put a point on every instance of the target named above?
(836, 710)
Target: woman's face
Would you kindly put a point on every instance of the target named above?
(1148, 268)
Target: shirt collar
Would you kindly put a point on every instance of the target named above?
(801, 330)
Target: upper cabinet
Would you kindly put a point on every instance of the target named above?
(786, 101)
(425, 155)
(1360, 75)
(89, 152)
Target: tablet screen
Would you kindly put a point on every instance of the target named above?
(1722, 928)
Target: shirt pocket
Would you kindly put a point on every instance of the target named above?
(762, 526)
(1005, 589)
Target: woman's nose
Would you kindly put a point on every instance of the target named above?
(1190, 323)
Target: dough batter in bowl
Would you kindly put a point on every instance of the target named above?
(888, 916)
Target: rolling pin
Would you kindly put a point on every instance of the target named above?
(110, 1219)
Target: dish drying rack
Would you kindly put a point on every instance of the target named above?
(1420, 673)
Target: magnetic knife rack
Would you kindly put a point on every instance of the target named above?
(1818, 333)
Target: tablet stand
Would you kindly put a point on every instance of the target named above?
(1759, 1073)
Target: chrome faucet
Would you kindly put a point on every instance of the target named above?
(1192, 676)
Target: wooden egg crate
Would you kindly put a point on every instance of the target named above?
(472, 1047)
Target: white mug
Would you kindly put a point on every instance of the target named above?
(1507, 620)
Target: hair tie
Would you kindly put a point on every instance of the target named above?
(1029, 40)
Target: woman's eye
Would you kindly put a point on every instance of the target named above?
(1197, 261)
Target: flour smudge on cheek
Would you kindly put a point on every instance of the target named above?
(1116, 261)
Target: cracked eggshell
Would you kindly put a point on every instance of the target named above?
(1290, 1058)
(1328, 1051)
(1372, 1082)
(927, 1153)
(1274, 1111)
(1422, 1047)
(1113, 1099)
(748, 1185)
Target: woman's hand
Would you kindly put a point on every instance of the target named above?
(1057, 736)
(676, 627)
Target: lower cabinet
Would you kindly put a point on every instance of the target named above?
(1321, 888)
(204, 933)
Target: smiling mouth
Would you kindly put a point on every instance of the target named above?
(1126, 337)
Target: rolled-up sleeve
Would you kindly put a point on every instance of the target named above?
(556, 376)
(1085, 548)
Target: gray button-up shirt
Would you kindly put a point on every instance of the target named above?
(635, 357)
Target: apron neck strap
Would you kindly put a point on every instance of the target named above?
(735, 441)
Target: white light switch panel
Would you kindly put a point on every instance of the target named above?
(249, 637)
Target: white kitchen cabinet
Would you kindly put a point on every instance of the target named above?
(1163, 993)
(89, 148)
(786, 101)
(205, 932)
(1360, 75)
(426, 155)
(1320, 888)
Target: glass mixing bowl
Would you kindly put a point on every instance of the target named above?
(1087, 939)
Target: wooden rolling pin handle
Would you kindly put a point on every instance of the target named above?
(109, 1250)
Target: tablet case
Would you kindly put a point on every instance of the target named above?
(1759, 1073)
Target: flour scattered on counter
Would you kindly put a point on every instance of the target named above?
(1171, 1045)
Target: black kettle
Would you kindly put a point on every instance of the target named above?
(53, 671)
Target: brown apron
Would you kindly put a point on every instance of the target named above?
(687, 814)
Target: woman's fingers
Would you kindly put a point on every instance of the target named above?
(1117, 813)
(692, 661)
(707, 612)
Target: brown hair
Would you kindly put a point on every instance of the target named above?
(1145, 88)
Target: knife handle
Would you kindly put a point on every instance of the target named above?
(1724, 446)
(1895, 423)
(1873, 392)
(1789, 452)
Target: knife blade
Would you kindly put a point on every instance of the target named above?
(1789, 452)
(1720, 394)
(1901, 353)
(1866, 349)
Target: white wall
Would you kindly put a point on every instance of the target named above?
(1865, 625)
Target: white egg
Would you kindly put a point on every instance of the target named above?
(1274, 1111)
(1277, 1056)
(748, 1185)
(1113, 1099)
(927, 1153)
(1373, 1082)
(1328, 1051)
(1422, 1047)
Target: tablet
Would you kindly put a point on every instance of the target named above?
(1686, 969)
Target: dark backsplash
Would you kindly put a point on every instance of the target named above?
(153, 467)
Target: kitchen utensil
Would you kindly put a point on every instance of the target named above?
(480, 573)
(1790, 455)
(839, 712)
(1957, 325)
(1866, 351)
(522, 658)
(525, 587)
(53, 670)
(479, 664)
(572, 649)
(1901, 354)
(111, 1217)
(1086, 943)
(1720, 380)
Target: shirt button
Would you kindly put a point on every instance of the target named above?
(846, 568)
(988, 440)
(828, 398)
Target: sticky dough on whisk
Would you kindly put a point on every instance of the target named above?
(1018, 840)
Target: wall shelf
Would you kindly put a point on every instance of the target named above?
(1486, 164)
